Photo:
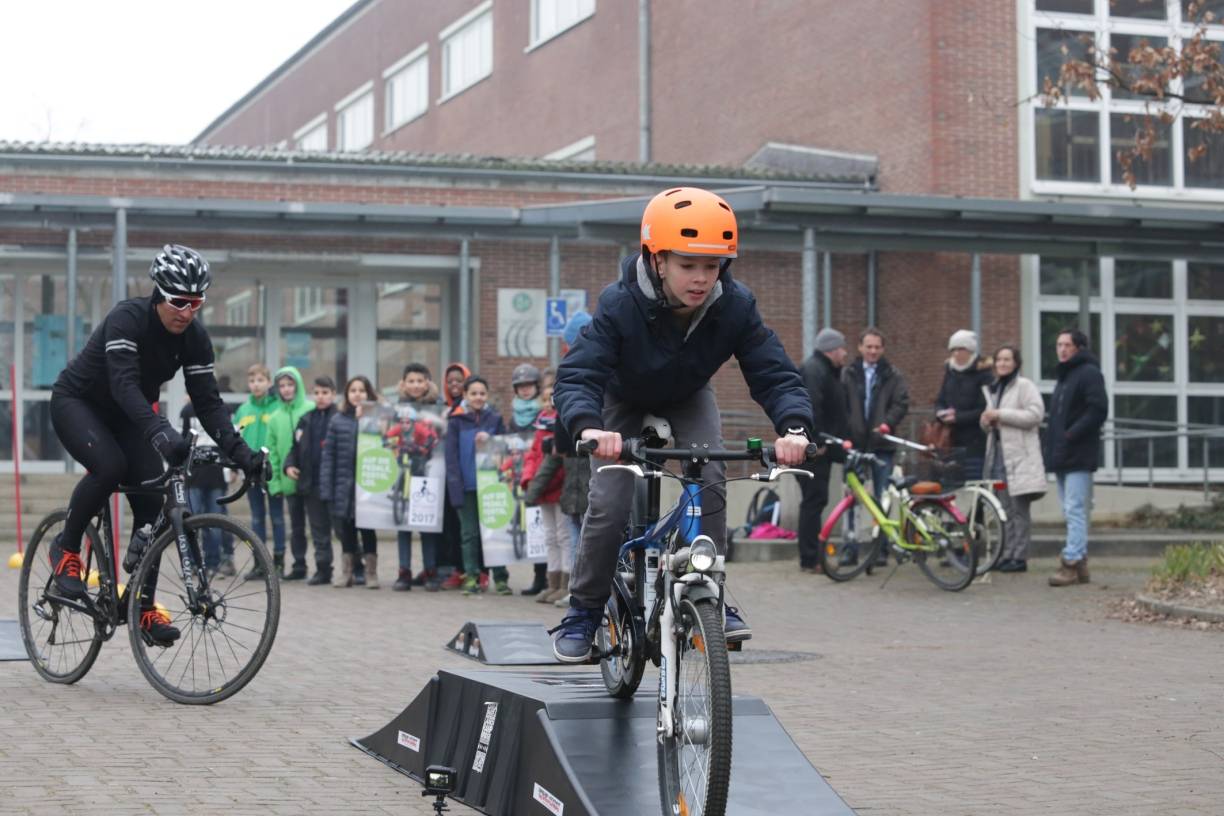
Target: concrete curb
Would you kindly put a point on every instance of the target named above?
(1179, 611)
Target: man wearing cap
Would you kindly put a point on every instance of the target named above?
(822, 376)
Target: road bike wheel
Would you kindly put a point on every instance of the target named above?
(622, 673)
(833, 553)
(988, 535)
(952, 562)
(695, 764)
(224, 640)
(62, 642)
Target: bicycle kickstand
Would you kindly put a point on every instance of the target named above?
(891, 573)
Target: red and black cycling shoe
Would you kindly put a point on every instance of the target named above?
(66, 566)
(156, 624)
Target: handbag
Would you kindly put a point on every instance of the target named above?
(936, 434)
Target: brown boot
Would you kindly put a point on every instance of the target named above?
(371, 570)
(554, 581)
(562, 589)
(1081, 570)
(344, 578)
(1067, 575)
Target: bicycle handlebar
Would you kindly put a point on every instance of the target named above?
(209, 456)
(635, 450)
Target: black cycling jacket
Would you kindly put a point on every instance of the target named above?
(121, 369)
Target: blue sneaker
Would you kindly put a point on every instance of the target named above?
(575, 636)
(736, 629)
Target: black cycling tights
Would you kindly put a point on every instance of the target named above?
(114, 453)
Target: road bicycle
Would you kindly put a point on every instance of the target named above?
(667, 606)
(228, 623)
(929, 529)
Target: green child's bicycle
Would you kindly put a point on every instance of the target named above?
(929, 528)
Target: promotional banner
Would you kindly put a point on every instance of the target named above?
(401, 467)
(509, 530)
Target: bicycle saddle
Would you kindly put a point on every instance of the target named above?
(917, 487)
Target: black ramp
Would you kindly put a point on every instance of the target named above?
(553, 742)
(504, 643)
(11, 646)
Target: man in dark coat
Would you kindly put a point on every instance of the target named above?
(878, 399)
(822, 377)
(1078, 409)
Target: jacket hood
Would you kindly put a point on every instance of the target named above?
(640, 280)
(299, 404)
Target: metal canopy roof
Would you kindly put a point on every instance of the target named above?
(770, 217)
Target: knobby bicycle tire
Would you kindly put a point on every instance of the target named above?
(80, 628)
(621, 675)
(702, 628)
(259, 559)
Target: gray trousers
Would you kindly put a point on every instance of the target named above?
(1018, 529)
(694, 420)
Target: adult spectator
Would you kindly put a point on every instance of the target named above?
(822, 376)
(878, 399)
(1011, 418)
(959, 403)
(1078, 409)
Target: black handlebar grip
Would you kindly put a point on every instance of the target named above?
(587, 446)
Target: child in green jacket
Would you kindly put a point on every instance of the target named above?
(292, 404)
(252, 420)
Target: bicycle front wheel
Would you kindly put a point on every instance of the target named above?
(988, 534)
(695, 763)
(847, 558)
(226, 635)
(618, 637)
(949, 558)
(62, 642)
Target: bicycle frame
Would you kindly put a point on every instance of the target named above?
(891, 527)
(653, 559)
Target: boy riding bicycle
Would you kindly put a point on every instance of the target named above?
(658, 335)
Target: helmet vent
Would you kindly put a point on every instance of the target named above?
(724, 206)
(689, 232)
(680, 205)
(728, 235)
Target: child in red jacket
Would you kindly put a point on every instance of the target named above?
(543, 476)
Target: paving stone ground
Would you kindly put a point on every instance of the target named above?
(1008, 698)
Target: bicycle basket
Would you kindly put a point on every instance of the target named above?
(943, 466)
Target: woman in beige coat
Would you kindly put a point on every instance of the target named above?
(1014, 411)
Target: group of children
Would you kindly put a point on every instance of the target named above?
(312, 447)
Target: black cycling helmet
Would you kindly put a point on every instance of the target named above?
(180, 270)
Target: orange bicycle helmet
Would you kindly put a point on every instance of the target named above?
(689, 221)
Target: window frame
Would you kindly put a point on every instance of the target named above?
(573, 150)
(448, 34)
(1104, 27)
(535, 40)
(319, 123)
(363, 93)
(419, 56)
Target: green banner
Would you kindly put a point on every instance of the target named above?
(494, 500)
(376, 466)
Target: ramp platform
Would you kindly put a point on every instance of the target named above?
(11, 647)
(504, 643)
(527, 743)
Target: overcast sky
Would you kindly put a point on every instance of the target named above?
(153, 71)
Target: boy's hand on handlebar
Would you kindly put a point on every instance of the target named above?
(791, 450)
(609, 443)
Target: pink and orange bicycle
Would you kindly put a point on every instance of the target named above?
(929, 529)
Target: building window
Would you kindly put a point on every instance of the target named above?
(1157, 329)
(550, 17)
(407, 89)
(1206, 411)
(1076, 144)
(581, 150)
(1067, 145)
(238, 313)
(467, 50)
(308, 304)
(312, 137)
(355, 120)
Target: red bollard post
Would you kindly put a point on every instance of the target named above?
(16, 453)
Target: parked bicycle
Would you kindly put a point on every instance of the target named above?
(929, 529)
(667, 607)
(228, 622)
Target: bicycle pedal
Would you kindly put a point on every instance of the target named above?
(737, 646)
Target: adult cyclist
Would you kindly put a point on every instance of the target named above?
(658, 335)
(102, 410)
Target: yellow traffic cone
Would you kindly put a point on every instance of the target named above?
(16, 560)
(93, 580)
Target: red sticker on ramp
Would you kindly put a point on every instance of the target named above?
(551, 803)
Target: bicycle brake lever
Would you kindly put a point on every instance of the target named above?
(636, 470)
(774, 473)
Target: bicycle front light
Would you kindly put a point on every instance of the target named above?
(702, 554)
